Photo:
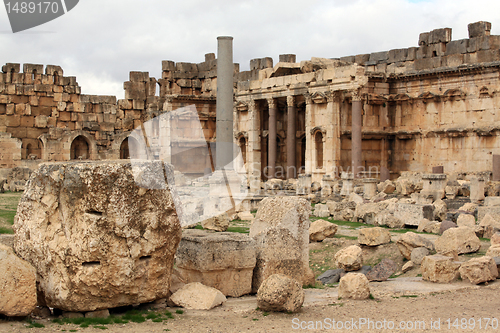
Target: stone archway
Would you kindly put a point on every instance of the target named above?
(80, 149)
(128, 144)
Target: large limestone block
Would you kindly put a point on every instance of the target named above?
(281, 230)
(367, 212)
(461, 239)
(321, 210)
(389, 220)
(439, 268)
(493, 251)
(493, 211)
(355, 286)
(224, 260)
(412, 214)
(495, 239)
(321, 229)
(489, 225)
(280, 293)
(374, 236)
(198, 297)
(429, 226)
(418, 254)
(349, 258)
(466, 220)
(97, 237)
(409, 241)
(17, 284)
(479, 270)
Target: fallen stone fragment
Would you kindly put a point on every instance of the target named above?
(198, 297)
(479, 270)
(354, 286)
(382, 271)
(280, 293)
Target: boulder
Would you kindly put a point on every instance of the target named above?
(492, 211)
(224, 260)
(280, 293)
(412, 214)
(389, 220)
(492, 201)
(321, 229)
(431, 227)
(497, 262)
(469, 207)
(439, 268)
(440, 210)
(367, 212)
(382, 271)
(445, 225)
(462, 239)
(374, 236)
(410, 240)
(408, 267)
(349, 258)
(356, 198)
(418, 254)
(493, 251)
(99, 232)
(495, 239)
(386, 187)
(217, 223)
(354, 286)
(198, 297)
(489, 225)
(466, 220)
(479, 270)
(18, 284)
(281, 231)
(331, 276)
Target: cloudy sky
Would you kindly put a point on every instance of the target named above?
(99, 42)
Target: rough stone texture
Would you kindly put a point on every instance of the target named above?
(17, 284)
(483, 211)
(429, 226)
(354, 286)
(224, 261)
(495, 239)
(389, 220)
(408, 267)
(367, 212)
(331, 276)
(349, 258)
(445, 225)
(97, 237)
(217, 223)
(497, 262)
(493, 251)
(412, 214)
(321, 229)
(461, 239)
(198, 297)
(374, 236)
(490, 225)
(410, 240)
(479, 270)
(418, 254)
(321, 210)
(382, 271)
(280, 293)
(386, 187)
(439, 268)
(281, 230)
(246, 216)
(97, 314)
(466, 220)
(440, 210)
(469, 207)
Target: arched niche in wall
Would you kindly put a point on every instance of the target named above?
(80, 148)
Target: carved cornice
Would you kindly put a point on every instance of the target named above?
(241, 106)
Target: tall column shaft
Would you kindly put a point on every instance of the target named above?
(224, 123)
(291, 147)
(272, 138)
(356, 135)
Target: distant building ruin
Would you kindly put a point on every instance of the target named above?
(402, 110)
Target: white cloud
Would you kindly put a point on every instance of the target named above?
(99, 42)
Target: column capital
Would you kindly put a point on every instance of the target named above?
(356, 95)
(290, 100)
(271, 103)
(251, 105)
(332, 96)
(308, 98)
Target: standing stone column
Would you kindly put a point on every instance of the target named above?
(254, 146)
(224, 123)
(272, 138)
(356, 134)
(291, 146)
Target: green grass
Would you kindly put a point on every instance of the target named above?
(8, 209)
(4, 230)
(33, 324)
(343, 223)
(179, 311)
(253, 211)
(371, 296)
(8, 215)
(169, 314)
(337, 304)
(265, 314)
(409, 296)
(101, 327)
(346, 237)
(241, 230)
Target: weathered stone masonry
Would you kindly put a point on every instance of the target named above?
(402, 110)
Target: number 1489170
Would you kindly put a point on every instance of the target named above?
(32, 7)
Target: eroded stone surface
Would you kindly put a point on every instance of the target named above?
(349, 258)
(280, 293)
(97, 238)
(479, 270)
(410, 240)
(354, 286)
(321, 229)
(374, 236)
(462, 239)
(198, 297)
(439, 268)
